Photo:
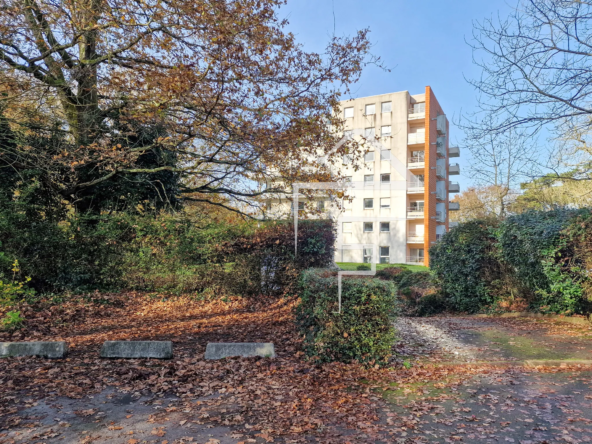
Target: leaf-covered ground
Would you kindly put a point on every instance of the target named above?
(287, 399)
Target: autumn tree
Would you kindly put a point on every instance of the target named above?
(482, 203)
(550, 193)
(215, 93)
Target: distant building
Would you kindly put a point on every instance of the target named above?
(401, 194)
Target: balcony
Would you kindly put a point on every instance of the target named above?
(453, 187)
(453, 224)
(415, 239)
(416, 114)
(416, 260)
(440, 216)
(415, 213)
(440, 194)
(454, 151)
(416, 162)
(441, 124)
(441, 146)
(453, 206)
(415, 187)
(415, 138)
(454, 169)
(441, 171)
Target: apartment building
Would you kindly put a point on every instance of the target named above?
(400, 197)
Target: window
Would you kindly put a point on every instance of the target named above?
(300, 206)
(418, 108)
(367, 255)
(385, 178)
(348, 133)
(386, 107)
(385, 202)
(385, 255)
(369, 178)
(347, 227)
(370, 110)
(369, 157)
(418, 156)
(385, 131)
(369, 133)
(368, 204)
(348, 112)
(416, 206)
(417, 255)
(385, 227)
(347, 159)
(417, 180)
(368, 227)
(321, 205)
(385, 155)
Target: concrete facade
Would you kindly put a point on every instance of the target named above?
(400, 195)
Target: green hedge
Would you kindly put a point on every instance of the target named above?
(169, 252)
(363, 332)
(540, 258)
(463, 261)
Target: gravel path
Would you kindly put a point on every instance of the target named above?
(436, 337)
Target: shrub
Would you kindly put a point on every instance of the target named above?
(420, 294)
(428, 305)
(464, 263)
(14, 291)
(362, 332)
(12, 321)
(264, 260)
(537, 260)
(363, 267)
(392, 273)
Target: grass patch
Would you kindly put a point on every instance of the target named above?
(352, 266)
(520, 347)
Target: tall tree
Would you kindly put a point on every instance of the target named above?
(500, 162)
(536, 66)
(236, 100)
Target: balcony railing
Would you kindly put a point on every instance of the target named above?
(454, 151)
(454, 169)
(415, 114)
(441, 146)
(440, 216)
(416, 162)
(441, 124)
(453, 187)
(440, 194)
(415, 239)
(415, 187)
(415, 260)
(454, 206)
(439, 237)
(415, 213)
(441, 171)
(415, 138)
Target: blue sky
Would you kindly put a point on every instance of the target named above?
(421, 41)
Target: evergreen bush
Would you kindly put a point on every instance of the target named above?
(362, 332)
